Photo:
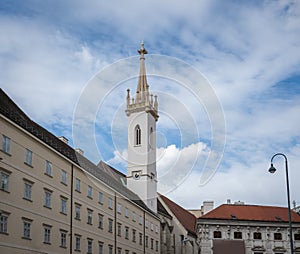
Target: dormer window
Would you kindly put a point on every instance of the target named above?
(137, 135)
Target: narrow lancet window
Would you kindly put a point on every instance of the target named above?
(137, 135)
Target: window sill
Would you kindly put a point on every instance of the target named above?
(7, 153)
(64, 183)
(4, 233)
(27, 199)
(48, 207)
(64, 247)
(48, 175)
(63, 213)
(26, 238)
(47, 243)
(27, 164)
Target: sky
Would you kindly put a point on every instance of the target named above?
(227, 76)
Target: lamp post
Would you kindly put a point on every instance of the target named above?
(272, 170)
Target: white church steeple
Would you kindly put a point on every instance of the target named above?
(142, 112)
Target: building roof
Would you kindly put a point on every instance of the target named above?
(10, 110)
(187, 220)
(251, 213)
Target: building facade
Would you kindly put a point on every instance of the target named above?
(54, 200)
(249, 229)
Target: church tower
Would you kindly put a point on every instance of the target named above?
(142, 112)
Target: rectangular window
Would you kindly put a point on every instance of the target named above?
(126, 251)
(89, 246)
(140, 220)
(110, 203)
(110, 225)
(151, 242)
(110, 249)
(140, 238)
(77, 184)
(90, 217)
(100, 197)
(156, 245)
(297, 237)
(100, 248)
(63, 177)
(126, 212)
(77, 211)
(217, 234)
(146, 241)
(237, 235)
(119, 228)
(5, 144)
(257, 235)
(119, 250)
(63, 238)
(63, 205)
(119, 208)
(100, 221)
(27, 190)
(47, 233)
(28, 157)
(133, 235)
(26, 228)
(77, 242)
(146, 224)
(133, 216)
(156, 229)
(90, 192)
(151, 226)
(126, 232)
(48, 168)
(277, 236)
(4, 181)
(3, 222)
(47, 200)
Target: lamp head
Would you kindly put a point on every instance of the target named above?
(272, 169)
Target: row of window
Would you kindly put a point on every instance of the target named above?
(47, 231)
(256, 235)
(4, 185)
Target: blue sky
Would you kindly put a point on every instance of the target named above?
(248, 52)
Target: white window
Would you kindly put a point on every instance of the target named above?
(4, 181)
(90, 246)
(110, 249)
(48, 168)
(119, 229)
(28, 157)
(63, 238)
(3, 222)
(110, 203)
(100, 198)
(110, 225)
(141, 220)
(146, 224)
(26, 228)
(77, 242)
(126, 212)
(133, 216)
(63, 205)
(151, 226)
(138, 133)
(90, 216)
(90, 192)
(77, 211)
(27, 190)
(5, 144)
(100, 248)
(47, 201)
(100, 220)
(119, 208)
(47, 233)
(77, 184)
(63, 176)
(156, 229)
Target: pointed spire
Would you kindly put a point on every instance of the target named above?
(142, 82)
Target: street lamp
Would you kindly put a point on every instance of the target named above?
(272, 170)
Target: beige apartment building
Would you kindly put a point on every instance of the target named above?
(54, 200)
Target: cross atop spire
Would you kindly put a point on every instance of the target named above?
(142, 83)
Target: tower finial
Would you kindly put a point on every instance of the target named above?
(142, 51)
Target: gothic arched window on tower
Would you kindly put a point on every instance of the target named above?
(137, 135)
(151, 139)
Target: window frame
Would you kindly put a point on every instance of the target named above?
(6, 141)
(28, 157)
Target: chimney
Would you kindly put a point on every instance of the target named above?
(63, 139)
(78, 150)
(207, 206)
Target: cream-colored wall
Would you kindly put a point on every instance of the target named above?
(13, 203)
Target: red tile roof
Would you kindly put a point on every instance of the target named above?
(187, 220)
(251, 212)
